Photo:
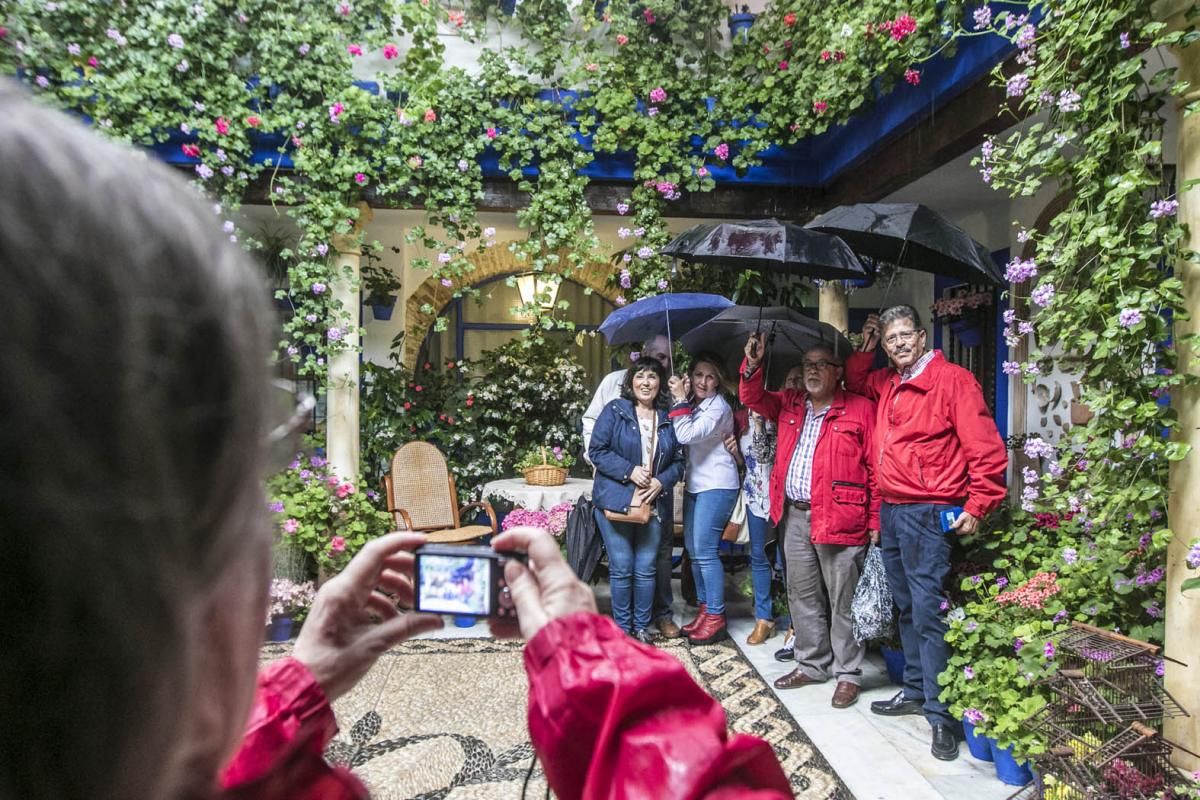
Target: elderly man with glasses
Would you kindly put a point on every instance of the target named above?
(823, 497)
(939, 455)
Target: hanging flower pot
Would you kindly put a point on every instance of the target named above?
(739, 25)
(968, 332)
(382, 308)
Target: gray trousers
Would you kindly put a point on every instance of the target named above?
(821, 579)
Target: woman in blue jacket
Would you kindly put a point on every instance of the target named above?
(638, 462)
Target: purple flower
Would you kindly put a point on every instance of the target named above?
(620, 300)
(658, 95)
(1070, 555)
(970, 626)
(445, 258)
(1129, 317)
(1068, 101)
(639, 232)
(987, 148)
(305, 474)
(276, 507)
(293, 351)
(1011, 368)
(623, 233)
(652, 111)
(1160, 668)
(1023, 236)
(1048, 650)
(968, 673)
(983, 17)
(627, 258)
(1025, 36)
(1010, 316)
(1060, 616)
(463, 165)
(1193, 556)
(319, 288)
(1018, 270)
(645, 252)
(176, 41)
(944, 605)
(447, 282)
(626, 279)
(303, 49)
(1043, 295)
(334, 334)
(1017, 85)
(322, 249)
(1037, 447)
(317, 462)
(721, 151)
(976, 579)
(1018, 643)
(204, 171)
(1164, 208)
(662, 284)
(1124, 40)
(310, 318)
(1001, 582)
(1153, 610)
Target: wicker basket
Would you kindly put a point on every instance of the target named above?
(545, 474)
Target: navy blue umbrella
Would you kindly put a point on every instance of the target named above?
(670, 315)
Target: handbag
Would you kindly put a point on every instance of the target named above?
(636, 515)
(639, 514)
(737, 529)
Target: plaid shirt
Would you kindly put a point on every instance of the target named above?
(918, 367)
(799, 475)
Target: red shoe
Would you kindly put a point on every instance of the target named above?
(700, 615)
(711, 629)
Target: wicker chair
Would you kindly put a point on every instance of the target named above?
(421, 496)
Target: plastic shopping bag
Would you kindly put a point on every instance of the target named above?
(871, 609)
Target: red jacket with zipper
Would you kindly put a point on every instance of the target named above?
(935, 439)
(609, 718)
(845, 498)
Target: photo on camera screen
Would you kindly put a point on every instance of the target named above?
(455, 584)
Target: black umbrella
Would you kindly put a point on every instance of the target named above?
(768, 244)
(912, 236)
(788, 333)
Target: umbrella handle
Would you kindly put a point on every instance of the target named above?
(670, 341)
(892, 280)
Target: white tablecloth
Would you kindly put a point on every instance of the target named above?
(538, 498)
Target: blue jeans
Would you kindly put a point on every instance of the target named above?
(760, 568)
(632, 552)
(664, 596)
(704, 517)
(916, 555)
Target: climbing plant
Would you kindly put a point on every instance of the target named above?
(212, 82)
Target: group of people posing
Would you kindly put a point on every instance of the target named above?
(840, 456)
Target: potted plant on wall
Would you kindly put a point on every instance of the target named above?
(963, 312)
(380, 288)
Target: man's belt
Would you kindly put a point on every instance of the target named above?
(800, 505)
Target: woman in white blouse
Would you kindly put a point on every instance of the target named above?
(702, 418)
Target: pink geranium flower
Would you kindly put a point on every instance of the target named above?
(345, 490)
(354, 49)
(820, 106)
(291, 526)
(337, 544)
(190, 150)
(390, 51)
(222, 125)
(430, 115)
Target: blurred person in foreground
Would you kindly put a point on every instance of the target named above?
(139, 548)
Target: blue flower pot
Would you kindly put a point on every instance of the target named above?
(280, 630)
(739, 26)
(1008, 769)
(465, 620)
(894, 659)
(979, 745)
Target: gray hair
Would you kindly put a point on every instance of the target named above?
(134, 355)
(897, 313)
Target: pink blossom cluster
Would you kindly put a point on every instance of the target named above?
(961, 302)
(554, 520)
(900, 28)
(1033, 593)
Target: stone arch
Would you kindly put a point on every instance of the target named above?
(491, 262)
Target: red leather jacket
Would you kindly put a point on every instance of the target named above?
(935, 439)
(608, 717)
(845, 498)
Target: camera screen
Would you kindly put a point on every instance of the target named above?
(455, 584)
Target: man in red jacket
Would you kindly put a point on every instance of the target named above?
(823, 493)
(937, 450)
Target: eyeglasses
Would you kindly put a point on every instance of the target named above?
(901, 336)
(817, 366)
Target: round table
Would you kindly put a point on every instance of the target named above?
(538, 498)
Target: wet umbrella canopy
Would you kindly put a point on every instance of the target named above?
(911, 236)
(768, 244)
(669, 315)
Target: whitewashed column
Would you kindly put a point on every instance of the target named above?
(341, 422)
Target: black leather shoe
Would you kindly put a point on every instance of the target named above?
(785, 654)
(897, 706)
(945, 742)
(644, 637)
